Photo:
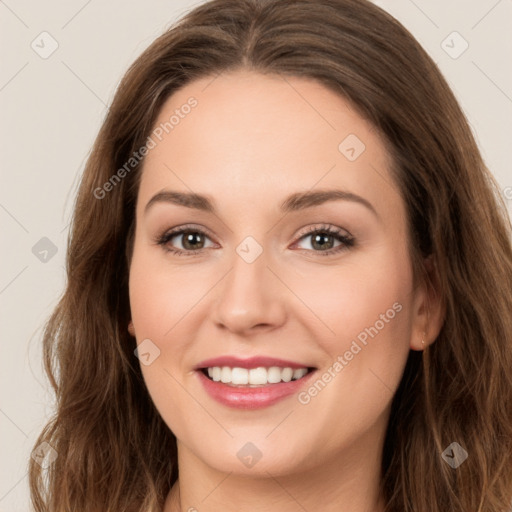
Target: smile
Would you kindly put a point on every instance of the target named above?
(255, 376)
(253, 396)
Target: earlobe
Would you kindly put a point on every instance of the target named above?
(131, 329)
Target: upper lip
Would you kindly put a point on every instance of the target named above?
(251, 362)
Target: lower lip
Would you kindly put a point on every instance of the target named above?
(252, 398)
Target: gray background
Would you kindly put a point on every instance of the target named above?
(52, 108)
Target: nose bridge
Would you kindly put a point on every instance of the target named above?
(249, 294)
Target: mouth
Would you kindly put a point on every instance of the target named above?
(255, 377)
(256, 387)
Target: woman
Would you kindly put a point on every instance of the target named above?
(211, 352)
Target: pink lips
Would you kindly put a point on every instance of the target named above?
(243, 397)
(252, 362)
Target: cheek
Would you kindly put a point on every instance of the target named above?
(364, 333)
(158, 301)
(362, 323)
(350, 299)
(160, 295)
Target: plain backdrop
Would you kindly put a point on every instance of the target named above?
(61, 62)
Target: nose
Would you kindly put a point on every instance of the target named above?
(250, 298)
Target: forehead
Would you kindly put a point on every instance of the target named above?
(249, 134)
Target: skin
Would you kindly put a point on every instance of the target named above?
(251, 141)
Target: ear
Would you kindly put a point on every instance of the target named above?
(429, 309)
(131, 329)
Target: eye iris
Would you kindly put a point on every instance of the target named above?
(191, 237)
(321, 236)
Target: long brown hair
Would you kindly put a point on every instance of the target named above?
(115, 453)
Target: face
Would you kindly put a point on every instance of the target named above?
(322, 282)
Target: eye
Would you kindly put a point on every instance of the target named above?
(191, 238)
(323, 238)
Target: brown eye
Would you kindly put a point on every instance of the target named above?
(191, 240)
(323, 240)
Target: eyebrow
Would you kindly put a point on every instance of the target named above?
(295, 202)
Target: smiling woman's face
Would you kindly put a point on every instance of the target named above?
(252, 282)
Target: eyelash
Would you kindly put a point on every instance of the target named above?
(347, 242)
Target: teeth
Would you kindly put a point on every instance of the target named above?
(255, 376)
